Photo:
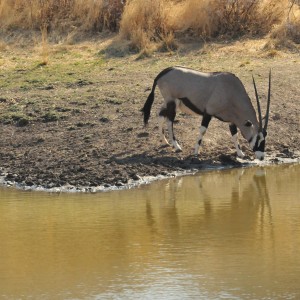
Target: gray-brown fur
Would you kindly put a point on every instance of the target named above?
(220, 95)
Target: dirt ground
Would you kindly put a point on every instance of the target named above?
(75, 120)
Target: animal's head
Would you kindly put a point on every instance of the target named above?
(258, 141)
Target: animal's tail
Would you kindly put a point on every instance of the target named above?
(148, 104)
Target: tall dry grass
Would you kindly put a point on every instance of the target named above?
(231, 18)
(289, 29)
(145, 22)
(61, 14)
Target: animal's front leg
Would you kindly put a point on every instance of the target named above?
(234, 134)
(204, 125)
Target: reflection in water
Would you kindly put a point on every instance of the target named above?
(217, 235)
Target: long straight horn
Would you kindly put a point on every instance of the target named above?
(268, 104)
(258, 106)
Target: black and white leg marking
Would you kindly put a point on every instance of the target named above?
(234, 134)
(204, 125)
(161, 120)
(169, 113)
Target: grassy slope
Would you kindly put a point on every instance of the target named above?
(27, 82)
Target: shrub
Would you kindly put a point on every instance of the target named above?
(145, 22)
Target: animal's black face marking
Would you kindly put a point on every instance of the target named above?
(248, 123)
(191, 106)
(259, 144)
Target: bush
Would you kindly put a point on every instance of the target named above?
(230, 18)
(61, 14)
(145, 22)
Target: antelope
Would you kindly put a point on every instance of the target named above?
(219, 94)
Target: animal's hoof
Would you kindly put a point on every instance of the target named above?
(165, 143)
(240, 154)
(178, 150)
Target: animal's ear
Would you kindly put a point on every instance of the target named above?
(248, 123)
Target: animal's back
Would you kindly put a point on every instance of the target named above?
(212, 93)
(185, 83)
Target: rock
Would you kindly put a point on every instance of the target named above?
(276, 117)
(49, 87)
(10, 176)
(287, 152)
(104, 120)
(227, 159)
(135, 176)
(29, 182)
(22, 122)
(143, 135)
(40, 140)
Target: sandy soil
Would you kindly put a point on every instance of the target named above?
(76, 121)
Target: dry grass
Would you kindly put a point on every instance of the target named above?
(289, 29)
(145, 22)
(61, 14)
(154, 24)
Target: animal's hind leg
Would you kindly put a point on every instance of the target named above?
(172, 136)
(170, 115)
(234, 134)
(161, 121)
(204, 125)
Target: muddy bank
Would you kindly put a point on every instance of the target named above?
(188, 166)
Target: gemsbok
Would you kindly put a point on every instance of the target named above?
(220, 95)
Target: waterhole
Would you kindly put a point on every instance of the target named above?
(231, 234)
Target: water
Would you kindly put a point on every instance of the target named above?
(218, 235)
